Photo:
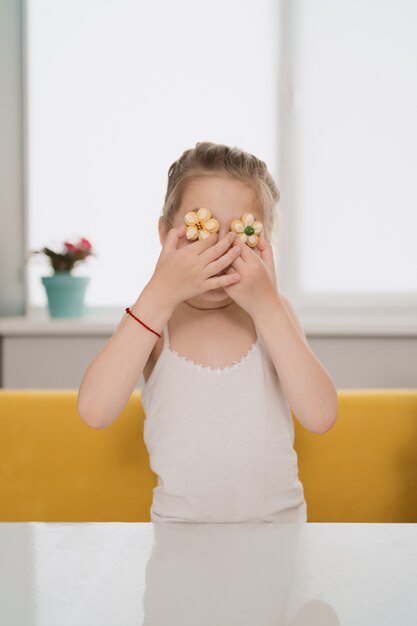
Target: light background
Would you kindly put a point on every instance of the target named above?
(324, 92)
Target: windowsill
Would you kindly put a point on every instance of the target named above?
(99, 321)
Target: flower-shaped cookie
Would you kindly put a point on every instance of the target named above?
(248, 229)
(200, 224)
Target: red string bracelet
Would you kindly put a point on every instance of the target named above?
(140, 321)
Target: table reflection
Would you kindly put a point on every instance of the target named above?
(226, 574)
(260, 574)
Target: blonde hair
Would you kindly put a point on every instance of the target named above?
(211, 159)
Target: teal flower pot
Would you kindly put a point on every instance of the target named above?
(65, 294)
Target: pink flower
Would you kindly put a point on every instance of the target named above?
(85, 243)
(72, 253)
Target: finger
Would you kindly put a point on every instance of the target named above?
(213, 268)
(222, 281)
(200, 245)
(266, 252)
(232, 271)
(214, 252)
(238, 264)
(245, 250)
(173, 237)
(205, 244)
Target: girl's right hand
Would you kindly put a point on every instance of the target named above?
(191, 270)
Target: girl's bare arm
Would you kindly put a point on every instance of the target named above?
(111, 377)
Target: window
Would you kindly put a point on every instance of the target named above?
(116, 91)
(351, 132)
(324, 92)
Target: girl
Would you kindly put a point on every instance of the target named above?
(220, 355)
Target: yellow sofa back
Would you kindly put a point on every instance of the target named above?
(53, 467)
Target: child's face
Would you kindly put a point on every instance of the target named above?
(227, 199)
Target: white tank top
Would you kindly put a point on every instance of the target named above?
(220, 441)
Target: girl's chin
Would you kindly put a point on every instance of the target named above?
(218, 294)
(216, 290)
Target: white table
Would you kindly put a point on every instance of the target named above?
(145, 574)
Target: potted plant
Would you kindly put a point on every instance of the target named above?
(64, 291)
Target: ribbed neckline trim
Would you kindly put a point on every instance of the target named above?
(214, 370)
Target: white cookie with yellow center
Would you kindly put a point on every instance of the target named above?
(200, 224)
(248, 229)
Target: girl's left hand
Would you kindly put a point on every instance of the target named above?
(258, 283)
